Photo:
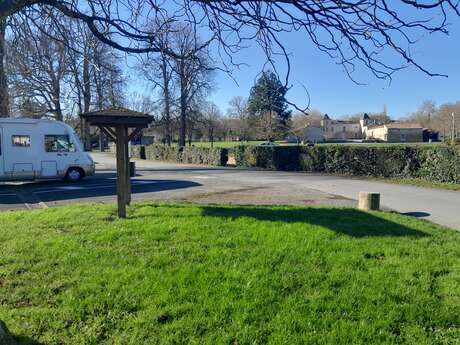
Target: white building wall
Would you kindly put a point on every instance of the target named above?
(340, 130)
(313, 134)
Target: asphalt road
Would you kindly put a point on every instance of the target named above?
(165, 181)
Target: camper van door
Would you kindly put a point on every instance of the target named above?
(59, 154)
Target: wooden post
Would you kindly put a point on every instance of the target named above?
(128, 177)
(101, 141)
(115, 123)
(369, 201)
(121, 170)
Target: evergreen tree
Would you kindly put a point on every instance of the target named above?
(267, 106)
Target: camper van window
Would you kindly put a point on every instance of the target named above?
(58, 143)
(21, 140)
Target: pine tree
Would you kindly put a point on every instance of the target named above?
(268, 108)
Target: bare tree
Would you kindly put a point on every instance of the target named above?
(4, 97)
(95, 78)
(60, 69)
(300, 121)
(444, 120)
(158, 71)
(239, 115)
(426, 114)
(211, 120)
(81, 43)
(193, 120)
(346, 30)
(38, 66)
(193, 72)
(107, 76)
(366, 32)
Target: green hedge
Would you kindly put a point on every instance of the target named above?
(433, 163)
(189, 154)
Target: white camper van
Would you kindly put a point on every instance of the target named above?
(41, 149)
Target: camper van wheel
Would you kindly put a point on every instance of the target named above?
(74, 175)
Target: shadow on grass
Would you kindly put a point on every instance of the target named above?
(21, 340)
(351, 222)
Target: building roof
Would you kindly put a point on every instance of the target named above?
(403, 125)
(119, 112)
(366, 117)
(345, 122)
(117, 116)
(326, 117)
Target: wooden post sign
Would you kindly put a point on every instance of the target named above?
(120, 125)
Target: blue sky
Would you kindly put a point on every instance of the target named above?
(331, 90)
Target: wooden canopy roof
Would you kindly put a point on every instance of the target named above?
(116, 117)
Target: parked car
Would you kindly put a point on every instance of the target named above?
(41, 149)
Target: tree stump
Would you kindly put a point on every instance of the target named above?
(369, 201)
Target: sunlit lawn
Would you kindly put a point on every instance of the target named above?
(195, 274)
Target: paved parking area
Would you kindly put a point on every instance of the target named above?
(163, 181)
(99, 188)
(168, 181)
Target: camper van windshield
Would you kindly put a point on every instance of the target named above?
(58, 143)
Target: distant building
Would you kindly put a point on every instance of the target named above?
(341, 130)
(331, 130)
(313, 134)
(396, 132)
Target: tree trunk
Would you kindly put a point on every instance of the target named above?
(57, 101)
(167, 101)
(190, 134)
(100, 97)
(4, 99)
(58, 111)
(86, 101)
(183, 105)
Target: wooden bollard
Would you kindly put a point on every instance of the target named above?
(369, 201)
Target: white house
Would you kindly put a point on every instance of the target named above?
(313, 134)
(396, 132)
(331, 130)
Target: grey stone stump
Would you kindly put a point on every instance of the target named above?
(369, 201)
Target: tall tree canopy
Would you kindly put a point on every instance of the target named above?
(349, 31)
(377, 34)
(268, 107)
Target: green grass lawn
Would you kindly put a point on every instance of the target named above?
(195, 274)
(416, 182)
